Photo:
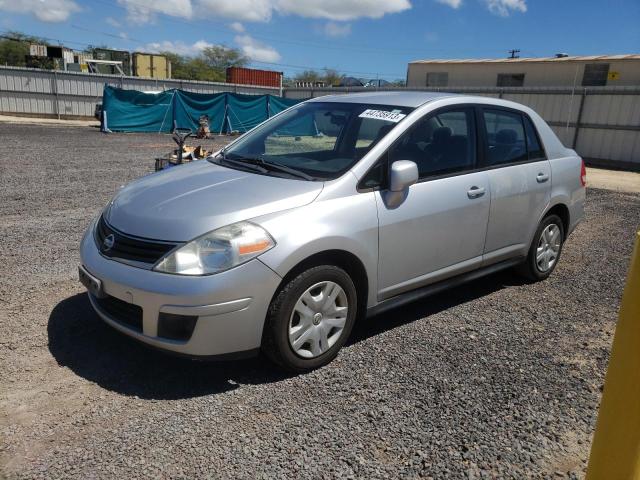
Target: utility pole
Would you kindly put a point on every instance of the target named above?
(514, 53)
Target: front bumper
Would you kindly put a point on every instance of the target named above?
(230, 306)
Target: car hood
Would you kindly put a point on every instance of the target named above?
(185, 202)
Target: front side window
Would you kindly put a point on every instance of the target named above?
(505, 137)
(439, 144)
(320, 139)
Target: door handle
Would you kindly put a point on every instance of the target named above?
(542, 177)
(475, 192)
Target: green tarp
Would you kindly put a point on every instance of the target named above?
(133, 111)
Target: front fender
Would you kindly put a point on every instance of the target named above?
(346, 223)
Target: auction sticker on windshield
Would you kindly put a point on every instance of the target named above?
(394, 117)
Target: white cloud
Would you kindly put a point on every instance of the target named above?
(451, 3)
(113, 22)
(342, 9)
(505, 7)
(237, 27)
(245, 10)
(49, 11)
(333, 29)
(249, 46)
(145, 11)
(256, 50)
(178, 47)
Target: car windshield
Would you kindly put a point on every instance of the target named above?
(313, 141)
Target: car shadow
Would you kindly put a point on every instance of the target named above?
(81, 341)
(433, 304)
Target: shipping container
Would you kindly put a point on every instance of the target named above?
(54, 52)
(81, 57)
(150, 65)
(37, 50)
(250, 76)
(112, 55)
(67, 55)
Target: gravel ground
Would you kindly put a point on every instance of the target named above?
(493, 379)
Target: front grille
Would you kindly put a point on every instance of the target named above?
(115, 244)
(126, 313)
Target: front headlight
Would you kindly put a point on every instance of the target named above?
(216, 251)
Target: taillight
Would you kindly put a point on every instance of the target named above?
(583, 175)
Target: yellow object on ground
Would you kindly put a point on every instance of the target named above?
(615, 453)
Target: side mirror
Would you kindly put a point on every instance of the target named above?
(404, 173)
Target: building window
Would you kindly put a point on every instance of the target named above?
(437, 79)
(595, 74)
(510, 80)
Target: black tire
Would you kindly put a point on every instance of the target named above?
(275, 339)
(529, 268)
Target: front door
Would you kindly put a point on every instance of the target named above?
(438, 229)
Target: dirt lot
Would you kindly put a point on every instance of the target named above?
(493, 379)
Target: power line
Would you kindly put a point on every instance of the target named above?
(319, 45)
(301, 67)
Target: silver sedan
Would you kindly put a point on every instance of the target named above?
(337, 208)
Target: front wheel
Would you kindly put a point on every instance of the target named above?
(545, 249)
(310, 318)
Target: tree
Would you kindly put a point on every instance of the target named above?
(308, 76)
(220, 57)
(14, 47)
(210, 65)
(331, 77)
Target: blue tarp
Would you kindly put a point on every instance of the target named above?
(188, 106)
(133, 111)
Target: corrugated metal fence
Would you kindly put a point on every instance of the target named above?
(601, 123)
(71, 94)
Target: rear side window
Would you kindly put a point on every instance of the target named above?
(505, 137)
(439, 144)
(534, 149)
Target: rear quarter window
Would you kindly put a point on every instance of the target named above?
(534, 145)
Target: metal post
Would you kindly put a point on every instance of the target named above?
(579, 119)
(55, 92)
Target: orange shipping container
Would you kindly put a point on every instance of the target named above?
(250, 76)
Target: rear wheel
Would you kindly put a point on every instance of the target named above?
(310, 319)
(545, 249)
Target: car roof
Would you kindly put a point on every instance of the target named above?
(401, 99)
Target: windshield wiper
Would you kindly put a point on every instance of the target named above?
(261, 162)
(251, 166)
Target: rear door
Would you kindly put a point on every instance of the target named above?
(520, 179)
(438, 230)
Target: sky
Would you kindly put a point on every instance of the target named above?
(361, 38)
